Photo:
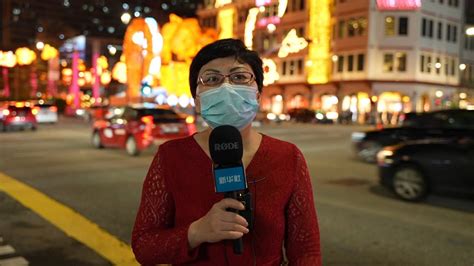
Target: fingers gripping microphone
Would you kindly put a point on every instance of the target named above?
(225, 146)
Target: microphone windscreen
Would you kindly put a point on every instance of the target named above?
(225, 145)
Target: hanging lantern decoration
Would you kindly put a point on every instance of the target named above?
(49, 52)
(25, 56)
(7, 59)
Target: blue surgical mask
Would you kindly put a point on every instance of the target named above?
(234, 105)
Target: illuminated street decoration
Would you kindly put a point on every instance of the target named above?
(250, 27)
(398, 4)
(220, 3)
(25, 56)
(142, 46)
(183, 38)
(282, 4)
(270, 73)
(320, 35)
(291, 44)
(225, 22)
(49, 52)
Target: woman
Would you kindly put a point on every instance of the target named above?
(181, 220)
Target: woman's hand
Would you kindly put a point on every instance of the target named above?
(218, 224)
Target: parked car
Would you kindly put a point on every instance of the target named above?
(18, 116)
(303, 115)
(46, 113)
(445, 123)
(136, 127)
(415, 169)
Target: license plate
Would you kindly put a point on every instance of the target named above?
(170, 129)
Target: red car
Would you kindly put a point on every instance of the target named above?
(18, 116)
(136, 127)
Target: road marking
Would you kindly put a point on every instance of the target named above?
(69, 221)
(17, 261)
(6, 250)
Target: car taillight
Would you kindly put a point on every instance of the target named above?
(189, 120)
(53, 109)
(35, 110)
(6, 112)
(147, 119)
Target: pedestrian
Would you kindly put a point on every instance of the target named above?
(182, 220)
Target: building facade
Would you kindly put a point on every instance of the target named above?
(361, 61)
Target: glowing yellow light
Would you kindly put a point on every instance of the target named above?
(102, 62)
(25, 56)
(119, 72)
(225, 20)
(463, 95)
(291, 44)
(250, 27)
(81, 66)
(270, 73)
(406, 99)
(220, 3)
(105, 78)
(66, 72)
(49, 52)
(320, 33)
(7, 59)
(282, 7)
(81, 82)
(175, 78)
(88, 76)
(374, 98)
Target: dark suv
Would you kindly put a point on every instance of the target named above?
(437, 124)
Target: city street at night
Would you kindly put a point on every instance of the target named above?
(361, 223)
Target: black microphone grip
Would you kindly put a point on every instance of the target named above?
(238, 244)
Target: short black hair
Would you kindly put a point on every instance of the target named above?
(221, 49)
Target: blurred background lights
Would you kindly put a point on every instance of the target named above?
(172, 100)
(125, 18)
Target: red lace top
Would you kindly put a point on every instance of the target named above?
(179, 189)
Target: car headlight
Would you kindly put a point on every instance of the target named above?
(358, 136)
(383, 156)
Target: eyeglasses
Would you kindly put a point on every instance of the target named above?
(215, 79)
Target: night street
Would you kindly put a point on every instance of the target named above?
(361, 223)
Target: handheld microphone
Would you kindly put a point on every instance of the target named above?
(226, 149)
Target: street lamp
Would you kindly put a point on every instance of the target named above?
(125, 18)
(462, 67)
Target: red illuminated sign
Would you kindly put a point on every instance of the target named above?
(398, 4)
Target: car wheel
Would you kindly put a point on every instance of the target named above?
(131, 146)
(369, 152)
(96, 140)
(33, 128)
(409, 183)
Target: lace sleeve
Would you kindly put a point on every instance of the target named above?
(302, 230)
(154, 238)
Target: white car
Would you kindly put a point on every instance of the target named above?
(46, 113)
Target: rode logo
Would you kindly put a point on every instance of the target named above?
(226, 146)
